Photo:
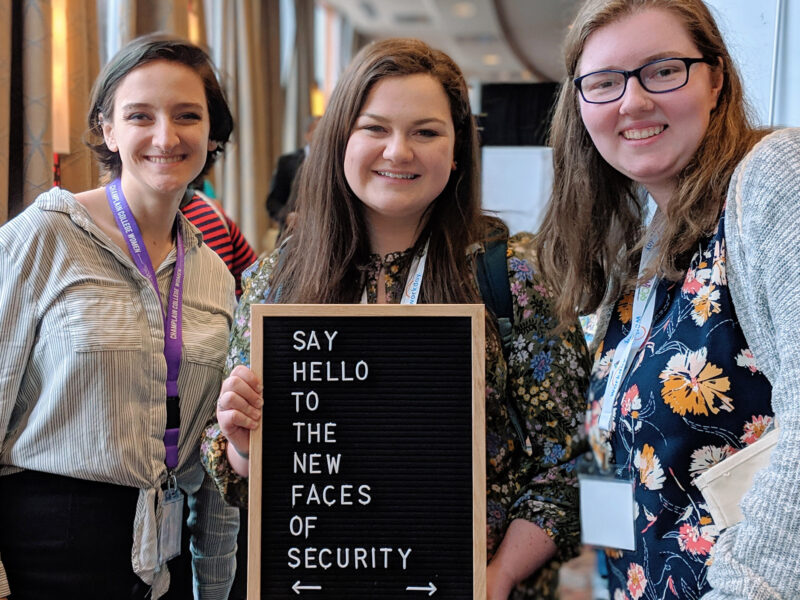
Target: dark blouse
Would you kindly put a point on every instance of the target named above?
(693, 396)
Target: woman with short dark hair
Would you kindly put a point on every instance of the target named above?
(114, 320)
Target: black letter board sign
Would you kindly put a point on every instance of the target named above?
(368, 475)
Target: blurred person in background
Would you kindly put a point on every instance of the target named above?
(282, 189)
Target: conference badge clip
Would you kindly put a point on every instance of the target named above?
(169, 532)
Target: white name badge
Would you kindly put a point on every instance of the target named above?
(169, 534)
(607, 512)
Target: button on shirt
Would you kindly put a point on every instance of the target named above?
(82, 368)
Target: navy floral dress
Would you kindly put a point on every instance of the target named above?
(693, 397)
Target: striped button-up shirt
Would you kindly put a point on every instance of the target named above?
(82, 370)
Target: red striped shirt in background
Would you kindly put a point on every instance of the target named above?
(221, 234)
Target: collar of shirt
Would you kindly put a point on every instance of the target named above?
(395, 267)
(65, 202)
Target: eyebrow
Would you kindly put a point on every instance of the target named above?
(144, 105)
(647, 59)
(416, 123)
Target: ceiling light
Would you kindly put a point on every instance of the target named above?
(368, 9)
(491, 59)
(411, 19)
(464, 10)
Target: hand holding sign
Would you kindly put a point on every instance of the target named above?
(239, 412)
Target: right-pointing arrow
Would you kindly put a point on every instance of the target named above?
(430, 588)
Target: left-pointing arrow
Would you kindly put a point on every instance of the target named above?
(298, 588)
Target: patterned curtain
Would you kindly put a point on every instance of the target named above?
(26, 145)
(301, 77)
(244, 41)
(79, 171)
(27, 149)
(123, 20)
(157, 15)
(37, 145)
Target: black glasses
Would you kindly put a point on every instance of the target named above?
(657, 77)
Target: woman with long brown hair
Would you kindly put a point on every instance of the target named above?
(390, 189)
(653, 106)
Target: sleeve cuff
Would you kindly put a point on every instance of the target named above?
(5, 590)
(214, 456)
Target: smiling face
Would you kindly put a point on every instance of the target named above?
(648, 137)
(160, 128)
(400, 152)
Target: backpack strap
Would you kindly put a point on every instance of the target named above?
(492, 275)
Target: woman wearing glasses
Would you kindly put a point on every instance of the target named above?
(700, 354)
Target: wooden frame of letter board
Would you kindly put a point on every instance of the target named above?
(476, 313)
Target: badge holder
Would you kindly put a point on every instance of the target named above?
(169, 532)
(608, 509)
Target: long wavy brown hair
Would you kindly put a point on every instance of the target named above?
(320, 262)
(590, 242)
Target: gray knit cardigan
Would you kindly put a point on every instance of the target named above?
(759, 559)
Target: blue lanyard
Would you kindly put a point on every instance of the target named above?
(628, 348)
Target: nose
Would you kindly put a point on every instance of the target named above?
(165, 135)
(635, 98)
(398, 149)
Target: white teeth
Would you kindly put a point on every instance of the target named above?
(165, 159)
(397, 175)
(640, 134)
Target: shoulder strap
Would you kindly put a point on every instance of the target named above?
(492, 272)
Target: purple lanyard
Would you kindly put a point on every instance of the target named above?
(173, 333)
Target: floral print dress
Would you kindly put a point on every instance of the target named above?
(693, 397)
(544, 381)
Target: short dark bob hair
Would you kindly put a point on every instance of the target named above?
(138, 52)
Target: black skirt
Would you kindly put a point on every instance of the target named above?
(62, 537)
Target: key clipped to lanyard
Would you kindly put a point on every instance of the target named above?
(169, 531)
